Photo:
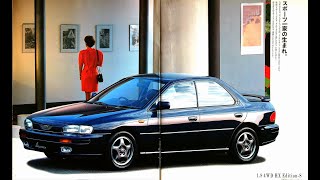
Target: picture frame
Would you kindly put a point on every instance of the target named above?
(28, 38)
(133, 37)
(252, 28)
(104, 40)
(69, 38)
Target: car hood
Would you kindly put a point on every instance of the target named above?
(81, 113)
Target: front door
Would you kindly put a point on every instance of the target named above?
(180, 123)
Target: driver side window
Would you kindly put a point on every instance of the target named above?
(180, 95)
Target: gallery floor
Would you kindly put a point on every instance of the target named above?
(276, 159)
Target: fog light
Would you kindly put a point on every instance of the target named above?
(25, 143)
(65, 149)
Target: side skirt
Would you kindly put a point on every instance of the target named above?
(199, 150)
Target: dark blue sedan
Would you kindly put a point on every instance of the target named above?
(186, 113)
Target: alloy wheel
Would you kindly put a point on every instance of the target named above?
(246, 145)
(122, 151)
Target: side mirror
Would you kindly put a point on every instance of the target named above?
(161, 105)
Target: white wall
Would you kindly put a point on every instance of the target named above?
(62, 76)
(244, 72)
(23, 64)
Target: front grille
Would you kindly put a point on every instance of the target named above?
(47, 128)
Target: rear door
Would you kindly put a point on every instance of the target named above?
(220, 113)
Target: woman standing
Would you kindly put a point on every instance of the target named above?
(88, 63)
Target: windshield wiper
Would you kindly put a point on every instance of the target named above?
(101, 103)
(114, 106)
(126, 107)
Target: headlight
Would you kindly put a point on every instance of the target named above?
(78, 129)
(28, 124)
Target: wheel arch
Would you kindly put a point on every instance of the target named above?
(243, 125)
(113, 161)
(130, 130)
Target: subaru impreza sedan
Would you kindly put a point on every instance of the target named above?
(129, 118)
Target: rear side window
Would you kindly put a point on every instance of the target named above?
(211, 93)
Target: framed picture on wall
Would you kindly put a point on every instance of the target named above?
(28, 38)
(252, 28)
(133, 37)
(104, 37)
(69, 38)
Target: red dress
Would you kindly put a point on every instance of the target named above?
(88, 61)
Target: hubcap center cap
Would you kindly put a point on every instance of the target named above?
(122, 152)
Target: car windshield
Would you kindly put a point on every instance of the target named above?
(130, 93)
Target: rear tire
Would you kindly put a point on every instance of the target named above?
(121, 150)
(244, 146)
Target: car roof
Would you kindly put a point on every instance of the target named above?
(170, 77)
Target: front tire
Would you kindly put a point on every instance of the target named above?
(122, 150)
(244, 146)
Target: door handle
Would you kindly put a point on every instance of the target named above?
(238, 115)
(192, 118)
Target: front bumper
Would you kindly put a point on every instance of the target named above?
(268, 133)
(91, 144)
